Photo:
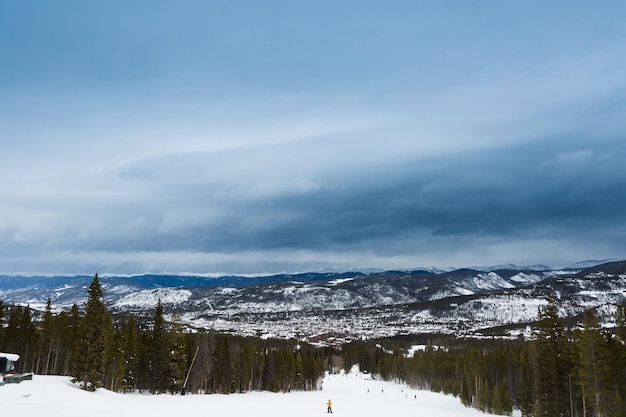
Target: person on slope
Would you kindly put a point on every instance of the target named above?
(330, 406)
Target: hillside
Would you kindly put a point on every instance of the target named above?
(463, 301)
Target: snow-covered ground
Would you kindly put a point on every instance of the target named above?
(55, 396)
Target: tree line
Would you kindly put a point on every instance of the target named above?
(87, 344)
(558, 372)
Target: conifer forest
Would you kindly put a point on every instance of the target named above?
(575, 371)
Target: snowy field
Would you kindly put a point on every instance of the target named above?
(54, 396)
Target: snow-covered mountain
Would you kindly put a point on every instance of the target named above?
(459, 301)
(589, 263)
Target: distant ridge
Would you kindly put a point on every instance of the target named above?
(322, 272)
(459, 301)
(591, 263)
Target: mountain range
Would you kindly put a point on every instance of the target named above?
(502, 300)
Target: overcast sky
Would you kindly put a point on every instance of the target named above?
(269, 136)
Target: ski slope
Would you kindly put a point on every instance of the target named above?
(353, 395)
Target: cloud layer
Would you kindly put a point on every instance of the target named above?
(237, 139)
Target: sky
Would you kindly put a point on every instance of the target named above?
(280, 136)
(56, 396)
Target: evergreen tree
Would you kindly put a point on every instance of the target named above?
(199, 380)
(178, 354)
(145, 376)
(46, 346)
(115, 364)
(619, 409)
(12, 332)
(130, 349)
(526, 391)
(21, 337)
(92, 345)
(63, 345)
(222, 369)
(501, 403)
(594, 372)
(246, 367)
(619, 351)
(159, 353)
(258, 368)
(552, 364)
(73, 366)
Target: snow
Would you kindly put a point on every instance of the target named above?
(463, 291)
(149, 298)
(10, 356)
(339, 281)
(421, 348)
(56, 396)
(491, 281)
(523, 278)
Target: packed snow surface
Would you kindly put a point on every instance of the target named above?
(353, 395)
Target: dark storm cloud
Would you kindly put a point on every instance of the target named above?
(524, 191)
(536, 190)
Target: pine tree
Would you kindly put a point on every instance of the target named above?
(115, 364)
(246, 367)
(12, 332)
(22, 338)
(143, 363)
(92, 346)
(222, 369)
(46, 346)
(63, 344)
(130, 349)
(258, 368)
(619, 410)
(552, 364)
(619, 352)
(159, 353)
(526, 391)
(178, 354)
(73, 366)
(501, 403)
(594, 372)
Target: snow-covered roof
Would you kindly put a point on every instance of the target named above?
(10, 356)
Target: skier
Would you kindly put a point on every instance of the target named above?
(330, 406)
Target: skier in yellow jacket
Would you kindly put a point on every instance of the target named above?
(330, 406)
